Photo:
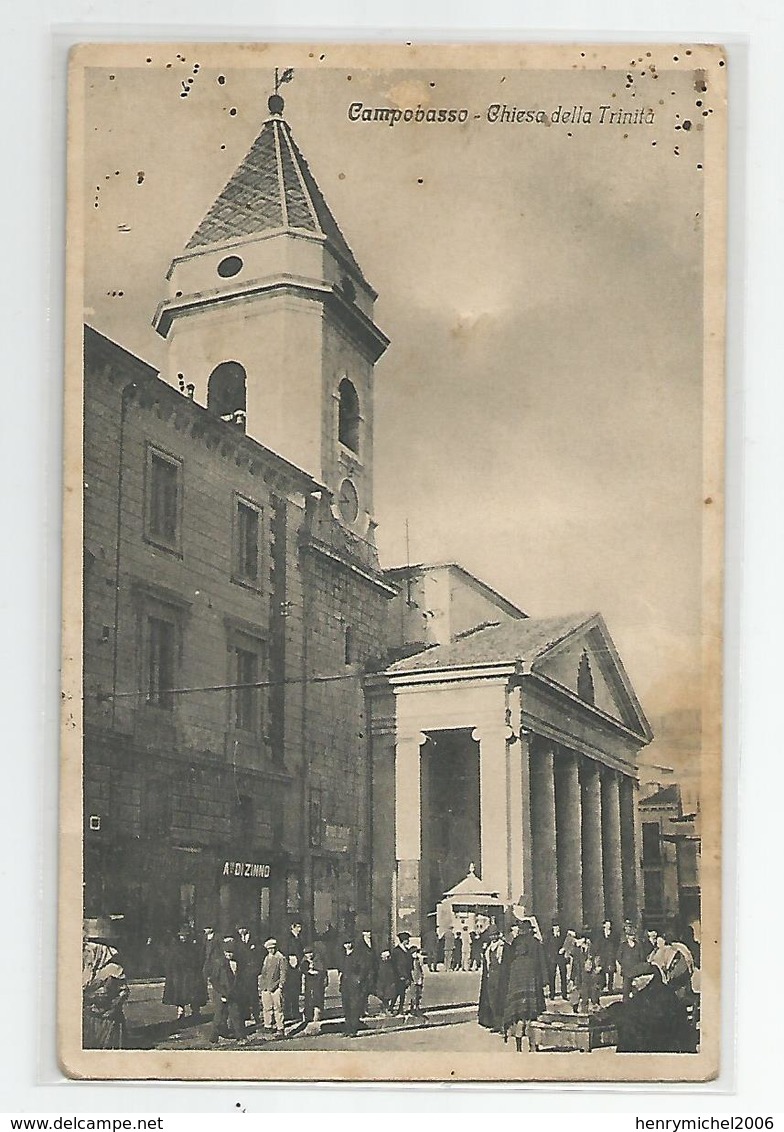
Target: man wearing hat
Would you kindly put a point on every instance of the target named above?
(352, 982)
(272, 984)
(403, 966)
(369, 960)
(228, 1021)
(294, 951)
(556, 958)
(630, 958)
(104, 989)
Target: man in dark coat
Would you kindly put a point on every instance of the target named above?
(251, 958)
(369, 960)
(210, 953)
(352, 984)
(491, 992)
(630, 960)
(556, 959)
(403, 966)
(430, 947)
(606, 953)
(294, 951)
(457, 954)
(228, 1021)
(449, 947)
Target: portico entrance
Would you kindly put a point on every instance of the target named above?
(451, 836)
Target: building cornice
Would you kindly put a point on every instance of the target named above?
(372, 341)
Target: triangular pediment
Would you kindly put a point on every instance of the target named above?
(586, 663)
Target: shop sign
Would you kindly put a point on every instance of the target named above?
(252, 870)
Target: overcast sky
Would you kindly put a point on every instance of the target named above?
(538, 412)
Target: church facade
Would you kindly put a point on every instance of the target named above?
(274, 725)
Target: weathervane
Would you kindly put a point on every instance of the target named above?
(275, 102)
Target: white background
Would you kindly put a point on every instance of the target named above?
(35, 37)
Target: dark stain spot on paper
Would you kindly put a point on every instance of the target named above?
(221, 80)
(140, 177)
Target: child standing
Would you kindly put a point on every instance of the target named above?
(315, 978)
(415, 990)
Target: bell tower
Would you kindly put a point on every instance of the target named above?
(270, 318)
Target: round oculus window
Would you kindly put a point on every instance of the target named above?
(348, 502)
(231, 265)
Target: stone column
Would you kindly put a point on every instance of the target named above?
(545, 869)
(494, 807)
(522, 857)
(408, 832)
(611, 846)
(568, 838)
(629, 848)
(591, 810)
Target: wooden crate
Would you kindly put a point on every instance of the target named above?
(570, 1033)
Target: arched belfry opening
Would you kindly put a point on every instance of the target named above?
(348, 415)
(226, 390)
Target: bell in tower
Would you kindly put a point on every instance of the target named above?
(270, 317)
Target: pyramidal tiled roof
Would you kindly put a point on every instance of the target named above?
(494, 644)
(272, 189)
(470, 885)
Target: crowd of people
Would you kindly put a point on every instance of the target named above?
(275, 988)
(278, 987)
(657, 1009)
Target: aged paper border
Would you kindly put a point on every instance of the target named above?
(399, 1067)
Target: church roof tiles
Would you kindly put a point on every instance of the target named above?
(505, 641)
(272, 189)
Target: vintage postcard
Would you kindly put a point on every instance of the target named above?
(393, 563)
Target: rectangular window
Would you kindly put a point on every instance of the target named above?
(247, 539)
(247, 556)
(161, 645)
(164, 493)
(653, 886)
(651, 843)
(246, 693)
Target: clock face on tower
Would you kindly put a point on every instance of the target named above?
(348, 502)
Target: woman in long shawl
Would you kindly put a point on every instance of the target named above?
(184, 985)
(491, 988)
(104, 989)
(526, 972)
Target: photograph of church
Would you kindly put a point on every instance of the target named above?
(286, 718)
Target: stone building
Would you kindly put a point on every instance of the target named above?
(272, 723)
(512, 742)
(670, 858)
(232, 592)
